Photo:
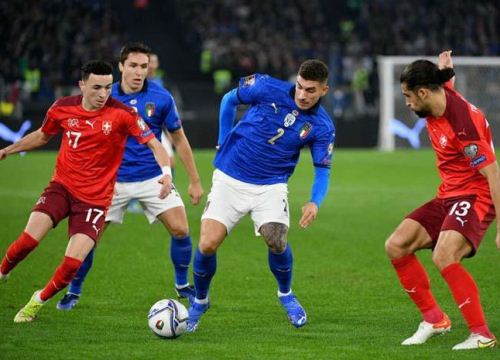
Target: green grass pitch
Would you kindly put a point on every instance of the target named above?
(356, 308)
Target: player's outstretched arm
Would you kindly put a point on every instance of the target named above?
(445, 61)
(29, 142)
(492, 173)
(163, 161)
(181, 143)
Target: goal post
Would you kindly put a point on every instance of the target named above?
(477, 79)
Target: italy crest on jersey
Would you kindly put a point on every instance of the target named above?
(306, 129)
(150, 109)
(289, 120)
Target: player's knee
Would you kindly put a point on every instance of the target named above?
(277, 247)
(394, 248)
(442, 258)
(179, 232)
(275, 235)
(208, 246)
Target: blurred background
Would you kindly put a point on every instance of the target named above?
(204, 46)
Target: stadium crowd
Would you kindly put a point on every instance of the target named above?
(272, 36)
(249, 36)
(46, 41)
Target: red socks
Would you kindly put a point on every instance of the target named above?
(17, 251)
(415, 281)
(466, 294)
(61, 278)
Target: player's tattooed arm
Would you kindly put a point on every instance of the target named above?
(275, 235)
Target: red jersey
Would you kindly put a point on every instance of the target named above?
(461, 138)
(92, 145)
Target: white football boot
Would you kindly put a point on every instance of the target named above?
(476, 341)
(427, 330)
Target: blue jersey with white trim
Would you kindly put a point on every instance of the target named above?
(264, 146)
(157, 108)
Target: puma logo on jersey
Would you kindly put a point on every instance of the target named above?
(412, 290)
(91, 123)
(461, 221)
(275, 108)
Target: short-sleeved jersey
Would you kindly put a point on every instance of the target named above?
(157, 108)
(264, 147)
(461, 138)
(92, 145)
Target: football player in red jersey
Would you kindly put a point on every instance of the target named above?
(455, 221)
(95, 128)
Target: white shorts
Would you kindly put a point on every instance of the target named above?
(146, 192)
(230, 199)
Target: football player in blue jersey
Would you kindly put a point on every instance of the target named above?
(253, 163)
(138, 174)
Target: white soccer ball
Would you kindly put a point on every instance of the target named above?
(167, 318)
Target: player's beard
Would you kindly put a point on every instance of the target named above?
(423, 113)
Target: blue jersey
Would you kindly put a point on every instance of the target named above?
(157, 107)
(264, 147)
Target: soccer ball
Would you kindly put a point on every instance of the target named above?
(167, 318)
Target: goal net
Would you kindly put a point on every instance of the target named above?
(477, 79)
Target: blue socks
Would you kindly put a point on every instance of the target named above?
(204, 267)
(75, 286)
(180, 253)
(281, 266)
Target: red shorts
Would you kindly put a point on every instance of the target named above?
(83, 218)
(468, 215)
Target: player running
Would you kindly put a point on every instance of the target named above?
(95, 128)
(139, 173)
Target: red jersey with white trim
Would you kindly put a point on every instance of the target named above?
(92, 145)
(461, 138)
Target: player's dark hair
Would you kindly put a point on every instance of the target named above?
(424, 73)
(133, 47)
(96, 67)
(314, 69)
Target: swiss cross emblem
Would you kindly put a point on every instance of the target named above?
(106, 127)
(443, 140)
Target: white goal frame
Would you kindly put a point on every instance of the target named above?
(386, 64)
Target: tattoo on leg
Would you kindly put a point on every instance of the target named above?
(275, 235)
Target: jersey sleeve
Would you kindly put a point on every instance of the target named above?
(322, 149)
(137, 127)
(50, 124)
(250, 88)
(171, 119)
(479, 152)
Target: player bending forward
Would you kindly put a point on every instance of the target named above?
(455, 221)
